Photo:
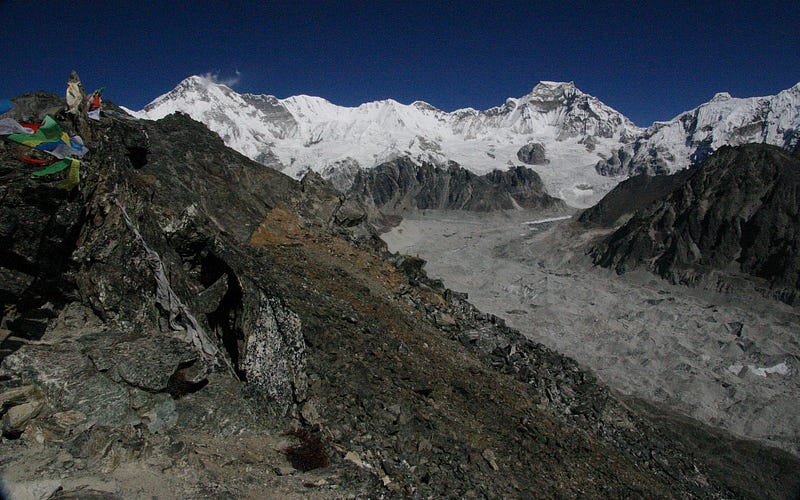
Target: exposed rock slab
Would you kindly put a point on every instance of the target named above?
(533, 153)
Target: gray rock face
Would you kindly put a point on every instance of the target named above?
(589, 142)
(70, 382)
(273, 352)
(273, 112)
(617, 164)
(331, 205)
(629, 196)
(532, 154)
(402, 184)
(147, 363)
(340, 174)
(640, 160)
(740, 208)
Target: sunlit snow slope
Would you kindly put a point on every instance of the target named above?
(665, 147)
(303, 132)
(588, 146)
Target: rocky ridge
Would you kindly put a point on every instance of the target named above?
(629, 196)
(166, 324)
(737, 212)
(402, 184)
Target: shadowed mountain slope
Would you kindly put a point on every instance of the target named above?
(629, 196)
(402, 184)
(739, 211)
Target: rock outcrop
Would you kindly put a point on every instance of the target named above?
(739, 211)
(403, 184)
(532, 153)
(189, 323)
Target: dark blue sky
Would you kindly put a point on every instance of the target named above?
(649, 60)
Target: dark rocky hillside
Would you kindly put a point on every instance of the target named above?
(402, 184)
(738, 212)
(629, 196)
(189, 324)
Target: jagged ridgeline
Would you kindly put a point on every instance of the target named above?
(555, 124)
(693, 136)
(580, 146)
(736, 212)
(403, 184)
(189, 323)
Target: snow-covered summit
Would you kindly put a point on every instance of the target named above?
(305, 132)
(665, 147)
(587, 145)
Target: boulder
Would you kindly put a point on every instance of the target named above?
(17, 417)
(272, 357)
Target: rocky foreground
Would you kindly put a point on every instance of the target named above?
(187, 323)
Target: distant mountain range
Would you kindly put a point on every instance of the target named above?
(580, 147)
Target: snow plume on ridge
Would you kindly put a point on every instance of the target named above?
(230, 81)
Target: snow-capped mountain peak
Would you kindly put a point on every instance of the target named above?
(306, 132)
(554, 90)
(665, 147)
(422, 105)
(192, 89)
(570, 131)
